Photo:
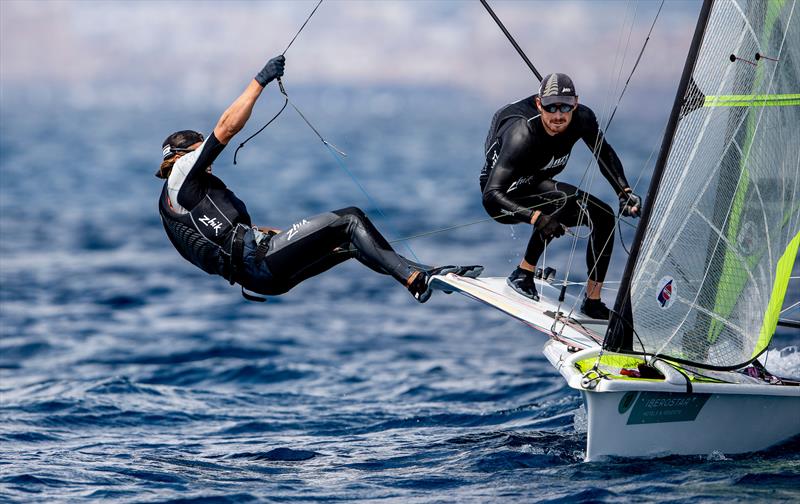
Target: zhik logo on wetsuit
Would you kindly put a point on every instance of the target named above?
(554, 163)
(212, 222)
(295, 228)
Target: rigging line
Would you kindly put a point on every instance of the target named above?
(471, 223)
(301, 28)
(511, 39)
(322, 139)
(620, 57)
(338, 155)
(633, 189)
(285, 101)
(789, 308)
(635, 65)
(489, 219)
(280, 84)
(599, 141)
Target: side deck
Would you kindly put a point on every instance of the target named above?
(547, 315)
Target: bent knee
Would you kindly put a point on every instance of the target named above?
(497, 215)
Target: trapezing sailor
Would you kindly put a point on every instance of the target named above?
(212, 229)
(528, 144)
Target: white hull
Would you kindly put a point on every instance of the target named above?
(640, 417)
(633, 418)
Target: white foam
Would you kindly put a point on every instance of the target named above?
(784, 363)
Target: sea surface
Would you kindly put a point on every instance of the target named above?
(126, 374)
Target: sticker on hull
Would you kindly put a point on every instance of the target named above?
(664, 407)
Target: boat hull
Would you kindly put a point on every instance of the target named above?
(661, 423)
(647, 418)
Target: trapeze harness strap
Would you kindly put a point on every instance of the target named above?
(209, 231)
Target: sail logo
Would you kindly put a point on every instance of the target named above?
(295, 228)
(666, 292)
(212, 222)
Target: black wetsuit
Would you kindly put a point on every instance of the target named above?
(307, 248)
(517, 179)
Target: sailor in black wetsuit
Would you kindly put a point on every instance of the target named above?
(529, 143)
(211, 228)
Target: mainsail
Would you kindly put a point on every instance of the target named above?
(707, 277)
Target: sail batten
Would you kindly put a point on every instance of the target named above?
(710, 262)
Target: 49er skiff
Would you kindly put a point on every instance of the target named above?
(676, 369)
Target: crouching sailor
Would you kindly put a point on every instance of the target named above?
(529, 143)
(211, 228)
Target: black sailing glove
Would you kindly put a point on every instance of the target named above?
(549, 226)
(630, 205)
(272, 70)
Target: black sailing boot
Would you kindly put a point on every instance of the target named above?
(522, 281)
(418, 282)
(595, 308)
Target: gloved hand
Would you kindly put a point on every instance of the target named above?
(549, 226)
(272, 70)
(630, 205)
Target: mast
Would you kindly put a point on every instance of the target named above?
(619, 336)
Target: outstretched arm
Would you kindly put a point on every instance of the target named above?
(235, 117)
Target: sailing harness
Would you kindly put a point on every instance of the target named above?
(211, 236)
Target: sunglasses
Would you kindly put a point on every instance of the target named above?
(563, 107)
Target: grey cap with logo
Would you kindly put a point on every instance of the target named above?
(557, 88)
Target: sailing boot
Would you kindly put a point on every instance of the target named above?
(595, 308)
(522, 281)
(419, 281)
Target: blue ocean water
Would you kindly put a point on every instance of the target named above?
(127, 374)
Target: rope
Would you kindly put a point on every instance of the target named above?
(286, 101)
(236, 152)
(338, 154)
(789, 308)
(599, 140)
(301, 28)
(598, 143)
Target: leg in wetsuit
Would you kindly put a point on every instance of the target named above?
(572, 207)
(319, 243)
(550, 196)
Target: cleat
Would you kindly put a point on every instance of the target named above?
(522, 281)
